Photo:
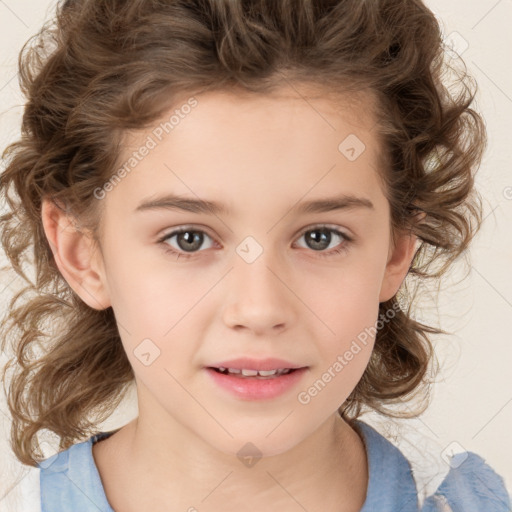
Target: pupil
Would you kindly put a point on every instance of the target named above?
(195, 237)
(325, 236)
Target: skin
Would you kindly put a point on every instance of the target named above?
(259, 155)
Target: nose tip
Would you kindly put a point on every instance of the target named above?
(257, 299)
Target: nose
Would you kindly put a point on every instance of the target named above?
(259, 297)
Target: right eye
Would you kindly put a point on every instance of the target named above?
(188, 241)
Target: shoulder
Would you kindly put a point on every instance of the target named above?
(470, 485)
(391, 485)
(69, 480)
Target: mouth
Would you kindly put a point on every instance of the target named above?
(254, 374)
(249, 384)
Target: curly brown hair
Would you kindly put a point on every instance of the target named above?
(99, 69)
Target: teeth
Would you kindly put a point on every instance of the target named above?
(249, 373)
(254, 373)
(266, 373)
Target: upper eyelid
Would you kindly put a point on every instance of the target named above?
(334, 229)
(185, 227)
(331, 227)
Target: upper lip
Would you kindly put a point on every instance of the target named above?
(246, 363)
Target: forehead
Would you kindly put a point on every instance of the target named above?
(276, 145)
(301, 105)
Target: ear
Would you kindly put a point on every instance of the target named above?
(76, 255)
(400, 258)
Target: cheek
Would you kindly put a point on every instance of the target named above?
(151, 298)
(344, 349)
(348, 307)
(348, 301)
(156, 312)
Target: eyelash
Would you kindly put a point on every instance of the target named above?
(324, 254)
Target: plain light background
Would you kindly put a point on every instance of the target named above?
(472, 400)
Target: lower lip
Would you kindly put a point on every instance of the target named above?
(253, 388)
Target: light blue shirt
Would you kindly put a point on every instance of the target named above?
(70, 481)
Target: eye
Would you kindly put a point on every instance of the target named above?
(188, 240)
(320, 237)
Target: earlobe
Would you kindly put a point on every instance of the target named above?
(75, 254)
(398, 265)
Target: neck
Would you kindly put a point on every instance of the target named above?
(327, 471)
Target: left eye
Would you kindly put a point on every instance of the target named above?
(319, 236)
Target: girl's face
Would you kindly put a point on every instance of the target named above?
(291, 262)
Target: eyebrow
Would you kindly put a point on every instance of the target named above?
(323, 205)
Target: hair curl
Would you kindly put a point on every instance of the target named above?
(102, 68)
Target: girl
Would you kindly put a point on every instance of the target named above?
(223, 199)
